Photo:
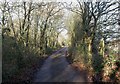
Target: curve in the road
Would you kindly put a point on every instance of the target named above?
(57, 69)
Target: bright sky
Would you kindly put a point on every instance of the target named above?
(64, 34)
(44, 0)
(68, 1)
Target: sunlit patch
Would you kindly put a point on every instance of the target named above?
(55, 56)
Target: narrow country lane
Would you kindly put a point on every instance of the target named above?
(57, 69)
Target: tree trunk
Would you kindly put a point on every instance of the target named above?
(36, 30)
(28, 26)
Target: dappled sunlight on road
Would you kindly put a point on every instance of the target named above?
(55, 56)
